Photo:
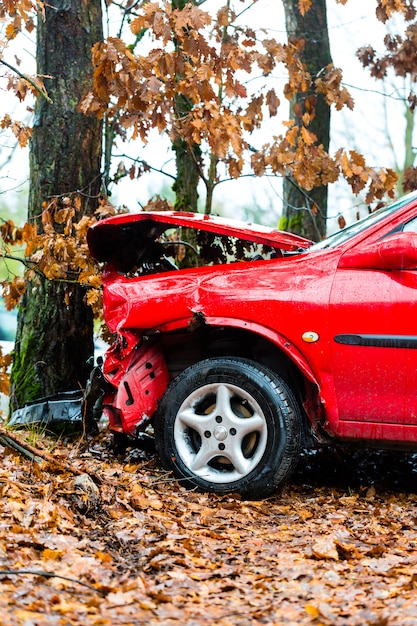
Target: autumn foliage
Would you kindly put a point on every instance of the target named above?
(399, 57)
(87, 539)
(205, 61)
(58, 252)
(118, 541)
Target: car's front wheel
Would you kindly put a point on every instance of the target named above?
(229, 425)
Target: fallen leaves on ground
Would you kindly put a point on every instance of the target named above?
(124, 543)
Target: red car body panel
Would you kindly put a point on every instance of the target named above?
(141, 380)
(341, 320)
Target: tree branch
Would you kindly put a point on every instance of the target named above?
(27, 78)
(36, 453)
(33, 266)
(45, 574)
(146, 164)
(29, 264)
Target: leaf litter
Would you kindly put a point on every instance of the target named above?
(118, 541)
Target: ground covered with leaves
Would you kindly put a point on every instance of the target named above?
(116, 541)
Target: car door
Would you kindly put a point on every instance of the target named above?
(373, 324)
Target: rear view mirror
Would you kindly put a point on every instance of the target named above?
(395, 252)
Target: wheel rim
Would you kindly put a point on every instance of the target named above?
(220, 433)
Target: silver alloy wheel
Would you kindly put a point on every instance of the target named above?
(220, 432)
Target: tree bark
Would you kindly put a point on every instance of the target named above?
(305, 212)
(187, 176)
(55, 326)
(186, 157)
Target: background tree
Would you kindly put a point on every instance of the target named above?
(54, 336)
(304, 212)
(399, 58)
(187, 157)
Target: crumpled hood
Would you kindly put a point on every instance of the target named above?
(106, 236)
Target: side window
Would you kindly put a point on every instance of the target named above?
(411, 226)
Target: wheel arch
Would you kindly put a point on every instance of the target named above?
(205, 337)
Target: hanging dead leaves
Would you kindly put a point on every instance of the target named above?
(104, 541)
(57, 250)
(204, 60)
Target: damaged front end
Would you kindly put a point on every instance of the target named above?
(136, 375)
(64, 409)
(147, 298)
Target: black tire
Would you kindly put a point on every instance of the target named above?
(229, 425)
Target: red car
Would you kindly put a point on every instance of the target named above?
(239, 343)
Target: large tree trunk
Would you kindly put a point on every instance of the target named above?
(55, 327)
(312, 29)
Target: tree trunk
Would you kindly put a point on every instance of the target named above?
(187, 176)
(305, 212)
(55, 327)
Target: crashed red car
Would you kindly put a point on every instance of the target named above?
(239, 343)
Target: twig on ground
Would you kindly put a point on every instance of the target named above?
(45, 574)
(37, 454)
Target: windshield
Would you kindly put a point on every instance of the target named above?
(341, 236)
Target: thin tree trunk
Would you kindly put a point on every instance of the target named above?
(305, 212)
(187, 176)
(55, 327)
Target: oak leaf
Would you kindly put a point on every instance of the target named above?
(5, 362)
(341, 221)
(273, 102)
(304, 6)
(308, 137)
(325, 549)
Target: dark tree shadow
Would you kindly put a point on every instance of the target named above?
(346, 468)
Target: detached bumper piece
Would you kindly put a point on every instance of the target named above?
(61, 409)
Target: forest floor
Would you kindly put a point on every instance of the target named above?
(124, 543)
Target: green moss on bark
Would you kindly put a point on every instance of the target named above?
(55, 326)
